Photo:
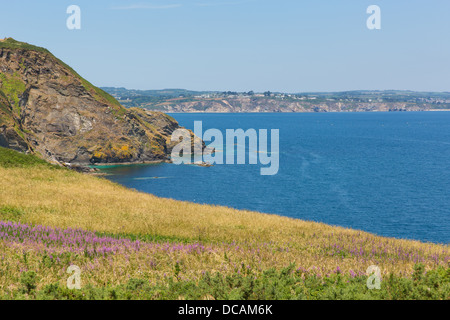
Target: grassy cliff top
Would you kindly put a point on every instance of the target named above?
(99, 94)
(11, 43)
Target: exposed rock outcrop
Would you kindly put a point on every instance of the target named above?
(48, 109)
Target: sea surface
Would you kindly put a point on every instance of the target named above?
(385, 173)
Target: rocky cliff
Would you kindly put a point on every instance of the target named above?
(262, 104)
(48, 109)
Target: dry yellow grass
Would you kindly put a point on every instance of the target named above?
(67, 199)
(62, 198)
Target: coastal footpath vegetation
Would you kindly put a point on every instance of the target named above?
(132, 245)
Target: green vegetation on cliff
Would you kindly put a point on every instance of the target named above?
(13, 87)
(5, 110)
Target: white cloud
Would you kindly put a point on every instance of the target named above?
(147, 6)
(223, 3)
(209, 3)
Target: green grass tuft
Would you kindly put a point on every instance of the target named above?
(150, 238)
(11, 213)
(13, 159)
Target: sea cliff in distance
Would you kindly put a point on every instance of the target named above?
(179, 100)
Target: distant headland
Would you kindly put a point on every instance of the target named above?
(180, 100)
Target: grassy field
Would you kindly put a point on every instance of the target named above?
(131, 245)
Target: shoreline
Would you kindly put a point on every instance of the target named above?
(126, 163)
(297, 112)
(104, 165)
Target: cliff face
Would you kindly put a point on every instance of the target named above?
(249, 105)
(48, 109)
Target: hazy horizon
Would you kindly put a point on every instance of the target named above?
(299, 92)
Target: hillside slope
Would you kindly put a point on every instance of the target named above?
(48, 109)
(119, 236)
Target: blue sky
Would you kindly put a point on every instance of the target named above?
(242, 45)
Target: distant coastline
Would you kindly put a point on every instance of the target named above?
(185, 101)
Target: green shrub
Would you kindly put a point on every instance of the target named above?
(271, 285)
(28, 280)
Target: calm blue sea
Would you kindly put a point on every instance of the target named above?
(385, 173)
